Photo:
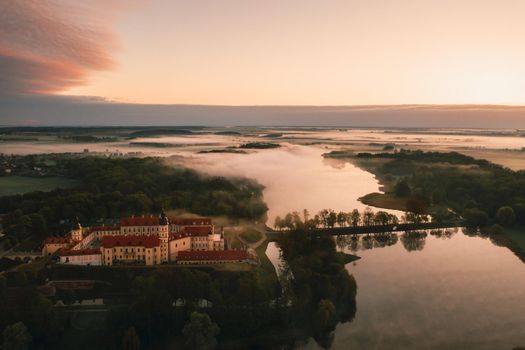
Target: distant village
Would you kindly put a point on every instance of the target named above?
(41, 165)
(145, 240)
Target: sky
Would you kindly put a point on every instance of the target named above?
(158, 55)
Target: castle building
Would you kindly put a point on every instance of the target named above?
(76, 231)
(54, 244)
(212, 256)
(81, 257)
(131, 249)
(147, 240)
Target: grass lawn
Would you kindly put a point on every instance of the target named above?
(386, 200)
(86, 331)
(266, 264)
(251, 235)
(28, 245)
(11, 185)
(517, 235)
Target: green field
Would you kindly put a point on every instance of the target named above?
(251, 235)
(517, 235)
(10, 185)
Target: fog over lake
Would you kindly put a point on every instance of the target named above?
(296, 177)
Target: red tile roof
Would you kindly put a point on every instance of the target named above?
(79, 252)
(177, 235)
(196, 255)
(140, 221)
(196, 231)
(56, 240)
(189, 221)
(130, 241)
(73, 284)
(104, 228)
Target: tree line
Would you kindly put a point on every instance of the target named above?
(328, 218)
(481, 192)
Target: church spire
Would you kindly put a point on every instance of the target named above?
(163, 219)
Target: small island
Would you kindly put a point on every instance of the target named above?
(259, 145)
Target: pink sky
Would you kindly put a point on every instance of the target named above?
(267, 52)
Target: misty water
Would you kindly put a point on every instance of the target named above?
(449, 292)
(296, 178)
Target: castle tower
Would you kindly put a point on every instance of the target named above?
(163, 236)
(76, 230)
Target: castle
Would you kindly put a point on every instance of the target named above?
(144, 240)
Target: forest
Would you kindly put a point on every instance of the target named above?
(189, 308)
(481, 192)
(115, 187)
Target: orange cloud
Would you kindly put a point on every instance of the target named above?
(49, 46)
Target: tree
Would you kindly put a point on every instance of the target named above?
(496, 229)
(355, 217)
(417, 205)
(278, 223)
(325, 314)
(200, 332)
(38, 224)
(306, 215)
(331, 218)
(296, 220)
(323, 216)
(288, 221)
(131, 340)
(475, 217)
(519, 210)
(16, 337)
(402, 189)
(381, 218)
(368, 217)
(506, 216)
(341, 218)
(315, 221)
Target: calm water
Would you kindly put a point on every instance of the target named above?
(454, 293)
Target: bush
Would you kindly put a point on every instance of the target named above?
(505, 216)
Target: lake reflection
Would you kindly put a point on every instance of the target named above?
(438, 290)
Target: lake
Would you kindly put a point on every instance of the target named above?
(296, 177)
(449, 292)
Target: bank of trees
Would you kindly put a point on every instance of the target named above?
(26, 316)
(228, 304)
(481, 192)
(111, 188)
(328, 218)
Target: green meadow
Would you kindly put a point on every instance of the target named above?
(11, 185)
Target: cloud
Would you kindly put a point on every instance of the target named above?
(84, 110)
(48, 46)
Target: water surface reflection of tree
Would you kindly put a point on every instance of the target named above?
(413, 240)
(323, 292)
